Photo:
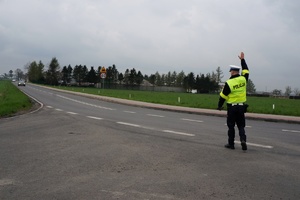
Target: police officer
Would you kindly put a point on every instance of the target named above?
(234, 93)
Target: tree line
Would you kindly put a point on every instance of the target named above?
(82, 76)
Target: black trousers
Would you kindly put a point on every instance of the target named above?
(236, 115)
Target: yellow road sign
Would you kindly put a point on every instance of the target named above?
(103, 70)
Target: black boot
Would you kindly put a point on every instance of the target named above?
(244, 145)
(229, 146)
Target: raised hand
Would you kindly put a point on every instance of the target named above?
(242, 56)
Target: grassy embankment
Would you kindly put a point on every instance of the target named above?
(290, 107)
(12, 100)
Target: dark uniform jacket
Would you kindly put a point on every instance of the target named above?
(226, 90)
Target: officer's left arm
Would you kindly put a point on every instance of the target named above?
(245, 69)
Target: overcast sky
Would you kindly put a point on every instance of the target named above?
(156, 35)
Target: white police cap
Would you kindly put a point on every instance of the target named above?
(234, 67)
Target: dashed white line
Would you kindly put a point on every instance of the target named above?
(49, 106)
(192, 120)
(91, 117)
(259, 145)
(128, 124)
(292, 131)
(151, 115)
(57, 109)
(179, 133)
(77, 101)
(129, 112)
(72, 113)
(166, 131)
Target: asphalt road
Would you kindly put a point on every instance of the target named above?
(83, 148)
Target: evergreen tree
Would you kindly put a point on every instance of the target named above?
(139, 78)
(158, 80)
(92, 76)
(250, 86)
(11, 73)
(132, 77)
(33, 72)
(126, 77)
(120, 78)
(190, 81)
(114, 74)
(53, 73)
(84, 73)
(40, 72)
(168, 79)
(78, 74)
(179, 79)
(36, 72)
(152, 79)
(64, 74)
(276, 92)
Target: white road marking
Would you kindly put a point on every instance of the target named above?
(128, 124)
(91, 117)
(72, 113)
(151, 115)
(292, 131)
(57, 109)
(166, 131)
(77, 101)
(129, 112)
(179, 133)
(257, 145)
(49, 106)
(4, 182)
(192, 120)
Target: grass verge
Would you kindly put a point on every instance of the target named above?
(12, 100)
(289, 107)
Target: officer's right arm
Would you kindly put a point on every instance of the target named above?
(223, 96)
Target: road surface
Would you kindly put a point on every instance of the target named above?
(83, 148)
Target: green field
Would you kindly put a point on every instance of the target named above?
(282, 106)
(12, 100)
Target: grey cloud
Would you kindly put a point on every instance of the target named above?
(154, 36)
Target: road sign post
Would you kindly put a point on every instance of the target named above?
(103, 74)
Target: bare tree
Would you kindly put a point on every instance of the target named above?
(219, 75)
(19, 73)
(296, 91)
(288, 91)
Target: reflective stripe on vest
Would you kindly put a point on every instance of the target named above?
(237, 87)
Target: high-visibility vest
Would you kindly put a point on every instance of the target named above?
(238, 90)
